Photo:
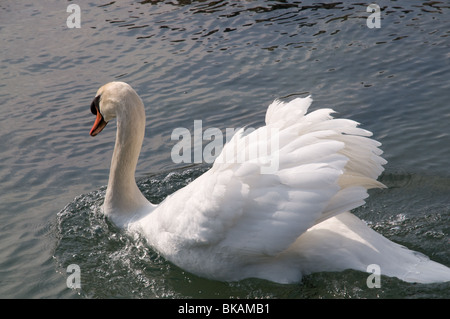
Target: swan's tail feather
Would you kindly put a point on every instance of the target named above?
(427, 271)
(350, 244)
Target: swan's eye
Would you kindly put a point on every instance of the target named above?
(95, 105)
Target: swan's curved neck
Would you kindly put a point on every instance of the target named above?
(123, 198)
(126, 153)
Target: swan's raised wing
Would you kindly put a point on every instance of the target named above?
(259, 201)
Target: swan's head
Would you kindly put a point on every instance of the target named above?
(112, 100)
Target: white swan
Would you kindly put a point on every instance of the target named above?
(233, 222)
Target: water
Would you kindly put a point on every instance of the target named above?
(221, 62)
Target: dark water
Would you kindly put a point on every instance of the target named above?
(221, 62)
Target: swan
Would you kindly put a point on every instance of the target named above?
(236, 222)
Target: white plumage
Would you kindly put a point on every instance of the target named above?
(274, 205)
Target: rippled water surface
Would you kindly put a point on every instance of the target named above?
(221, 62)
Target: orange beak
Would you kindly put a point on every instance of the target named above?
(99, 124)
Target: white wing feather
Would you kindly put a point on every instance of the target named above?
(325, 167)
